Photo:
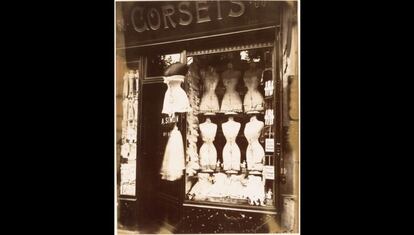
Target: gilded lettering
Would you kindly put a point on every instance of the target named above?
(153, 13)
(167, 12)
(144, 25)
(241, 10)
(185, 11)
(200, 9)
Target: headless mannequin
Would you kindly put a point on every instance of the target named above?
(254, 152)
(208, 152)
(231, 101)
(209, 101)
(253, 100)
(231, 151)
(175, 98)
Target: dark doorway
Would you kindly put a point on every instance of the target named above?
(160, 199)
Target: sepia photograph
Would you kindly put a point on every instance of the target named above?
(207, 97)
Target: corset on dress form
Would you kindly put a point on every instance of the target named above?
(231, 151)
(253, 100)
(175, 98)
(231, 101)
(208, 152)
(209, 101)
(254, 152)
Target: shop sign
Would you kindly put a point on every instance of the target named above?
(150, 22)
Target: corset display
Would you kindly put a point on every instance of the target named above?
(254, 152)
(209, 101)
(231, 151)
(208, 152)
(175, 98)
(253, 99)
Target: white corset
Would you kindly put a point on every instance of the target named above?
(231, 100)
(175, 98)
(209, 101)
(254, 152)
(231, 151)
(208, 152)
(253, 100)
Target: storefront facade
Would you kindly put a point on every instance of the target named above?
(240, 134)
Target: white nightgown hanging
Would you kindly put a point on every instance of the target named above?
(174, 159)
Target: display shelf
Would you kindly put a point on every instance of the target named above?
(228, 206)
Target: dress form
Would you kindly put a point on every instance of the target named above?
(253, 100)
(208, 152)
(231, 151)
(254, 152)
(175, 98)
(231, 101)
(209, 101)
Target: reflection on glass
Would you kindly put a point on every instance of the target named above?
(189, 60)
(244, 55)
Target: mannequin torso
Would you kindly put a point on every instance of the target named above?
(253, 100)
(208, 152)
(175, 98)
(209, 101)
(231, 151)
(231, 101)
(254, 152)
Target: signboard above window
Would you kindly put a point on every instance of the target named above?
(146, 23)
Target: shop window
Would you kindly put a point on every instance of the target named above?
(230, 133)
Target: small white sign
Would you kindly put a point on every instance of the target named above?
(128, 189)
(270, 145)
(269, 172)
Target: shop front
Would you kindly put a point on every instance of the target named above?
(220, 157)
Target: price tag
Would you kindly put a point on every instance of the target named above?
(269, 172)
(270, 145)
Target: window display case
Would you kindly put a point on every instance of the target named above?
(231, 128)
(129, 134)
